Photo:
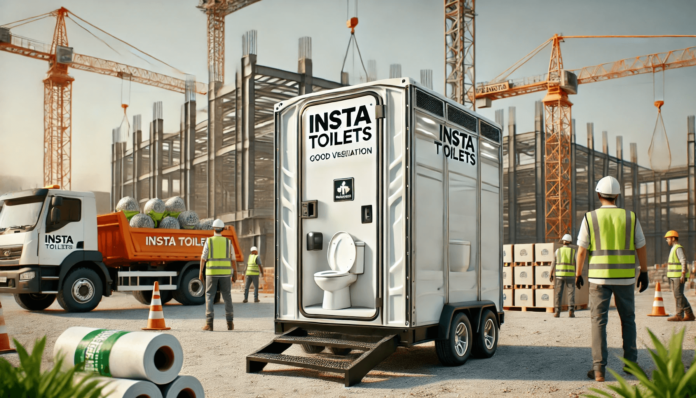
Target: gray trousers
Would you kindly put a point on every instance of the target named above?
(565, 283)
(682, 302)
(600, 298)
(249, 279)
(212, 285)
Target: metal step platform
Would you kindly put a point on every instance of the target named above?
(374, 350)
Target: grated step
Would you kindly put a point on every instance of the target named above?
(328, 342)
(305, 362)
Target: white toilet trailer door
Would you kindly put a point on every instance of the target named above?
(339, 193)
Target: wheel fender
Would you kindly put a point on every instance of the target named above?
(92, 258)
(473, 309)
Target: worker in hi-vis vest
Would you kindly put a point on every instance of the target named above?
(253, 269)
(563, 270)
(678, 274)
(218, 262)
(612, 237)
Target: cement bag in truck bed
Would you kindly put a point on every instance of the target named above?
(156, 357)
(141, 221)
(128, 206)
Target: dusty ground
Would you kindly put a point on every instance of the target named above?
(537, 354)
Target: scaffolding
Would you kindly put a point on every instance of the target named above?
(662, 201)
(220, 161)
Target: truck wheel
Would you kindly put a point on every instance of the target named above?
(339, 351)
(191, 290)
(486, 340)
(34, 301)
(81, 291)
(456, 349)
(145, 296)
(312, 349)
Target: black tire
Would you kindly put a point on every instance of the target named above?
(457, 348)
(312, 349)
(82, 290)
(486, 340)
(339, 351)
(191, 290)
(145, 296)
(34, 301)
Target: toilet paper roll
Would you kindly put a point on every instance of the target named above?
(183, 387)
(125, 388)
(156, 357)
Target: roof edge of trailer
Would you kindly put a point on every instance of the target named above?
(394, 82)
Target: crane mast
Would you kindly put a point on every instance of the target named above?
(460, 38)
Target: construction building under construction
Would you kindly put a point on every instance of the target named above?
(661, 201)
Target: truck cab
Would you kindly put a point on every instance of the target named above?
(44, 234)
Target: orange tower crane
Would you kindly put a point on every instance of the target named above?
(558, 83)
(58, 88)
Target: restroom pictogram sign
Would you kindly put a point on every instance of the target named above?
(343, 189)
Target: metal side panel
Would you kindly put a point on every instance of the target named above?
(287, 181)
(395, 219)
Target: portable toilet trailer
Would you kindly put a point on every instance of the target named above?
(388, 231)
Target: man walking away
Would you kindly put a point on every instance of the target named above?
(252, 275)
(678, 274)
(217, 260)
(563, 268)
(613, 237)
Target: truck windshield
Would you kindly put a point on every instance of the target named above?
(21, 213)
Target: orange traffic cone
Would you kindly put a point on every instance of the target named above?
(658, 303)
(155, 321)
(4, 338)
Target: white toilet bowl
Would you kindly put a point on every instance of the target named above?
(336, 287)
(345, 258)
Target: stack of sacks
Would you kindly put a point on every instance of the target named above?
(142, 221)
(134, 364)
(156, 209)
(205, 224)
(128, 206)
(169, 223)
(188, 219)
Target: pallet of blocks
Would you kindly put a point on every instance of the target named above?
(520, 291)
(544, 294)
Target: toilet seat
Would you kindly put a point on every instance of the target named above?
(330, 274)
(342, 252)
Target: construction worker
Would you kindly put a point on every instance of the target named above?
(252, 275)
(218, 262)
(563, 269)
(678, 274)
(612, 237)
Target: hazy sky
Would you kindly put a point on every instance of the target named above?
(390, 31)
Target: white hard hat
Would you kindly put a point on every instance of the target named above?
(218, 224)
(567, 238)
(254, 249)
(608, 186)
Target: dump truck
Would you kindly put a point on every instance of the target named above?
(54, 246)
(388, 206)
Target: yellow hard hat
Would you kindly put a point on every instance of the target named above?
(672, 234)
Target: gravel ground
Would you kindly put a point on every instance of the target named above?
(537, 354)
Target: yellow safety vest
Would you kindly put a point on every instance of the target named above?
(218, 264)
(674, 266)
(564, 261)
(252, 267)
(612, 248)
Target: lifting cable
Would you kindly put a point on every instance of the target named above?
(352, 23)
(15, 24)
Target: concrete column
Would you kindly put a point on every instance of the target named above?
(115, 172)
(214, 134)
(248, 111)
(605, 142)
(188, 152)
(634, 174)
(156, 140)
(345, 79)
(512, 179)
(239, 159)
(691, 131)
(137, 160)
(619, 154)
(304, 65)
(573, 190)
(540, 171)
(590, 167)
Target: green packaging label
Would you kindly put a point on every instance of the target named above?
(95, 348)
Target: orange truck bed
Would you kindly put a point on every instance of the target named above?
(121, 245)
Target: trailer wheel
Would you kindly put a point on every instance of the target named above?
(81, 291)
(456, 349)
(340, 351)
(145, 296)
(486, 340)
(312, 349)
(34, 301)
(191, 290)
